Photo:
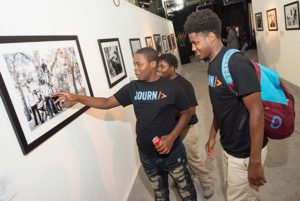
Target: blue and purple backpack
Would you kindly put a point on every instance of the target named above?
(279, 111)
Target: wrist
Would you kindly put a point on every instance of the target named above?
(255, 162)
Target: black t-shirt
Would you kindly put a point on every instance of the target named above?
(190, 93)
(230, 113)
(155, 105)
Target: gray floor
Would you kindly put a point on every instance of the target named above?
(282, 167)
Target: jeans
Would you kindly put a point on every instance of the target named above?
(175, 165)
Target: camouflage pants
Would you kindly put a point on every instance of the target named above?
(175, 165)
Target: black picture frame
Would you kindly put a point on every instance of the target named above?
(112, 60)
(291, 16)
(158, 43)
(259, 22)
(31, 69)
(135, 44)
(149, 42)
(165, 43)
(169, 42)
(229, 2)
(272, 19)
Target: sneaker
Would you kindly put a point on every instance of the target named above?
(208, 191)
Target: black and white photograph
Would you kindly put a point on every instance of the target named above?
(113, 60)
(32, 69)
(149, 42)
(135, 44)
(158, 43)
(259, 22)
(291, 16)
(272, 20)
(165, 43)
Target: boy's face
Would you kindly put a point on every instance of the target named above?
(142, 67)
(200, 44)
(164, 69)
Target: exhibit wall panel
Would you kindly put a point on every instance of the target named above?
(278, 49)
(95, 156)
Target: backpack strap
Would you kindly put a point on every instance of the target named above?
(225, 69)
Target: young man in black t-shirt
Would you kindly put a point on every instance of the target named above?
(239, 117)
(155, 101)
(167, 65)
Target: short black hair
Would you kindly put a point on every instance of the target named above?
(203, 21)
(150, 53)
(169, 58)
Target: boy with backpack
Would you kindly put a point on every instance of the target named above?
(240, 118)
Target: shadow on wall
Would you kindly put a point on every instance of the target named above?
(268, 49)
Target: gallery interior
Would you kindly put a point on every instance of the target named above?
(78, 153)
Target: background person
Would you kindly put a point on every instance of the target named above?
(232, 39)
(167, 65)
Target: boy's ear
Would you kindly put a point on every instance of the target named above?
(153, 64)
(211, 36)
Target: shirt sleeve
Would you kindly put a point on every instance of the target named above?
(191, 94)
(181, 101)
(123, 95)
(243, 75)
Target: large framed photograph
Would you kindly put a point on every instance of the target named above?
(165, 43)
(272, 20)
(135, 44)
(259, 22)
(291, 16)
(32, 68)
(113, 60)
(229, 2)
(149, 42)
(158, 45)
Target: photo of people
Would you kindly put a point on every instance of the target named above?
(259, 22)
(39, 73)
(113, 60)
(158, 44)
(135, 45)
(149, 42)
(291, 13)
(272, 20)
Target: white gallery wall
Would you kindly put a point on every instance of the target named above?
(278, 49)
(94, 158)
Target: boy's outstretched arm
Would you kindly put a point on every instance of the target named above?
(95, 102)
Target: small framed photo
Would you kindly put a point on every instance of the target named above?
(259, 22)
(135, 44)
(149, 42)
(173, 41)
(157, 41)
(291, 16)
(165, 43)
(169, 42)
(272, 20)
(113, 60)
(32, 68)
